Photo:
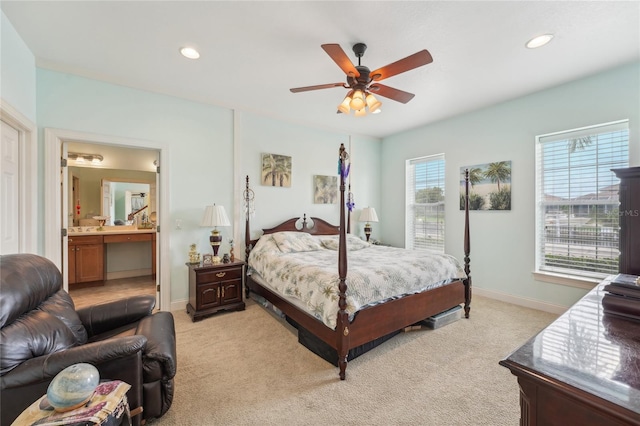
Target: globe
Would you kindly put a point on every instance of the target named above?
(73, 387)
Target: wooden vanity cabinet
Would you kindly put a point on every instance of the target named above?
(86, 259)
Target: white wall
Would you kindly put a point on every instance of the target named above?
(502, 242)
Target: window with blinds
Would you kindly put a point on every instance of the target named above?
(577, 199)
(425, 203)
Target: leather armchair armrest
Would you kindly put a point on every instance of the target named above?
(159, 356)
(44, 368)
(110, 315)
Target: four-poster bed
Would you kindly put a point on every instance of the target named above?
(422, 290)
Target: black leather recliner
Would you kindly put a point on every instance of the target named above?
(41, 334)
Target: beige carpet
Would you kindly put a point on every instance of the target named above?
(247, 368)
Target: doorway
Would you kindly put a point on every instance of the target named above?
(58, 200)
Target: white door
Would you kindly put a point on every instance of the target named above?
(65, 216)
(10, 190)
(107, 202)
(153, 215)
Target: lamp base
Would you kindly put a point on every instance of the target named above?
(216, 259)
(367, 230)
(215, 239)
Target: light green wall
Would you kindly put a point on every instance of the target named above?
(17, 71)
(202, 139)
(210, 150)
(503, 242)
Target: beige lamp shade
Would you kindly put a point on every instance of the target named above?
(215, 216)
(368, 214)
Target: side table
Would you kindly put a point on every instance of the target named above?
(214, 288)
(107, 407)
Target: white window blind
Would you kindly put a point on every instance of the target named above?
(425, 203)
(577, 199)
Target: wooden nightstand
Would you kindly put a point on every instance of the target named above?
(214, 288)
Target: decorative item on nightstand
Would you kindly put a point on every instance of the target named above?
(215, 216)
(368, 215)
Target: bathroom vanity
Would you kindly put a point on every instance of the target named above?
(89, 250)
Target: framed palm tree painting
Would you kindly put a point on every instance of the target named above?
(489, 186)
(276, 170)
(325, 189)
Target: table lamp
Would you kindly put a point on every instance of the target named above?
(215, 216)
(368, 215)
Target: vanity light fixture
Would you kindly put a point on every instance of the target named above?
(189, 52)
(539, 41)
(85, 158)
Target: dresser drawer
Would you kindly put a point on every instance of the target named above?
(127, 238)
(89, 239)
(219, 275)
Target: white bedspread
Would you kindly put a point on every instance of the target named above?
(308, 271)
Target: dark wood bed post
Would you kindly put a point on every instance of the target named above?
(342, 326)
(247, 231)
(467, 247)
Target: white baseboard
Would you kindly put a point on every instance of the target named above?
(179, 305)
(128, 274)
(521, 301)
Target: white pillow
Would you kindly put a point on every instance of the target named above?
(294, 242)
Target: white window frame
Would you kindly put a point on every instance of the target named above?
(434, 180)
(566, 274)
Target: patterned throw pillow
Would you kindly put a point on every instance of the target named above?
(353, 242)
(294, 242)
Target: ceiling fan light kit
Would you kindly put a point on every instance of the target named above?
(361, 81)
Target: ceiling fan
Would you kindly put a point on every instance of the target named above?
(363, 83)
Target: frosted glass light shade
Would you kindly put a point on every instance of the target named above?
(360, 113)
(373, 104)
(344, 106)
(215, 216)
(357, 102)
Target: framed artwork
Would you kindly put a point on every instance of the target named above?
(325, 189)
(276, 170)
(207, 259)
(489, 186)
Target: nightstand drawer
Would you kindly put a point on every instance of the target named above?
(219, 275)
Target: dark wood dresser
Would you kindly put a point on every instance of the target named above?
(214, 288)
(629, 212)
(583, 369)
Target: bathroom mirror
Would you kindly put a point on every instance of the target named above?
(109, 192)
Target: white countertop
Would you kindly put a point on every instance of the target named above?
(77, 231)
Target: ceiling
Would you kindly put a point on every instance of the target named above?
(253, 52)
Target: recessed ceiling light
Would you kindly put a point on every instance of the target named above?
(189, 52)
(539, 41)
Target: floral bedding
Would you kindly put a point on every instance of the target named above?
(307, 270)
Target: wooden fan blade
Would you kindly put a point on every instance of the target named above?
(416, 60)
(320, 86)
(341, 58)
(391, 93)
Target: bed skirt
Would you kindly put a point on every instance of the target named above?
(329, 354)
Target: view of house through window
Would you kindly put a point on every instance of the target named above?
(425, 203)
(577, 199)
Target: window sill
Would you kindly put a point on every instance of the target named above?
(568, 280)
